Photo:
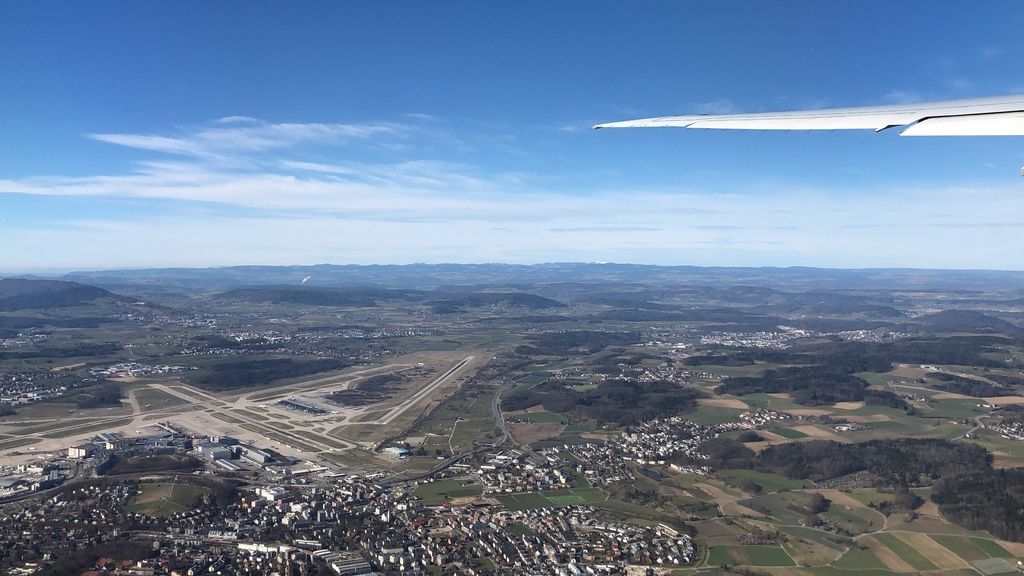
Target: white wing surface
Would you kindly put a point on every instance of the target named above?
(999, 116)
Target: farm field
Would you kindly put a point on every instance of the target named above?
(905, 551)
(749, 556)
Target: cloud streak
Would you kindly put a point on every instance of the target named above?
(241, 190)
(242, 135)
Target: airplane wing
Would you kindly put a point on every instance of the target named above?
(999, 116)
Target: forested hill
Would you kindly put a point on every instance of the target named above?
(26, 294)
(970, 321)
(369, 296)
(318, 296)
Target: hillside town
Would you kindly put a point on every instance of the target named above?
(346, 525)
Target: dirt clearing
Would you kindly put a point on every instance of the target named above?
(1004, 400)
(529, 433)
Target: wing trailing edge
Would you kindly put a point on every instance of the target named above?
(998, 116)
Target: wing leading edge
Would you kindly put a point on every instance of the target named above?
(999, 116)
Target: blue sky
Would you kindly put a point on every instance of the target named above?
(200, 134)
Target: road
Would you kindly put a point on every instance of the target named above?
(505, 437)
(496, 410)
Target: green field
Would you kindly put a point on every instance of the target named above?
(768, 482)
(529, 381)
(855, 571)
(854, 520)
(762, 400)
(869, 496)
(535, 378)
(541, 417)
(709, 415)
(153, 399)
(552, 498)
(786, 507)
(859, 559)
(749, 556)
(468, 412)
(165, 499)
(970, 548)
(990, 547)
(434, 493)
(787, 433)
(826, 539)
(905, 551)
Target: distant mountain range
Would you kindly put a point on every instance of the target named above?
(431, 276)
(615, 293)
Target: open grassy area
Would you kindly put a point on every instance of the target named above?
(787, 433)
(434, 493)
(827, 539)
(768, 482)
(153, 399)
(762, 400)
(468, 413)
(859, 559)
(749, 556)
(551, 498)
(990, 547)
(854, 520)
(869, 496)
(832, 571)
(164, 499)
(529, 381)
(708, 415)
(967, 548)
(541, 417)
(786, 507)
(535, 378)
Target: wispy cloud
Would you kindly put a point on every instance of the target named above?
(960, 84)
(716, 106)
(900, 96)
(242, 190)
(606, 228)
(233, 135)
(990, 52)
